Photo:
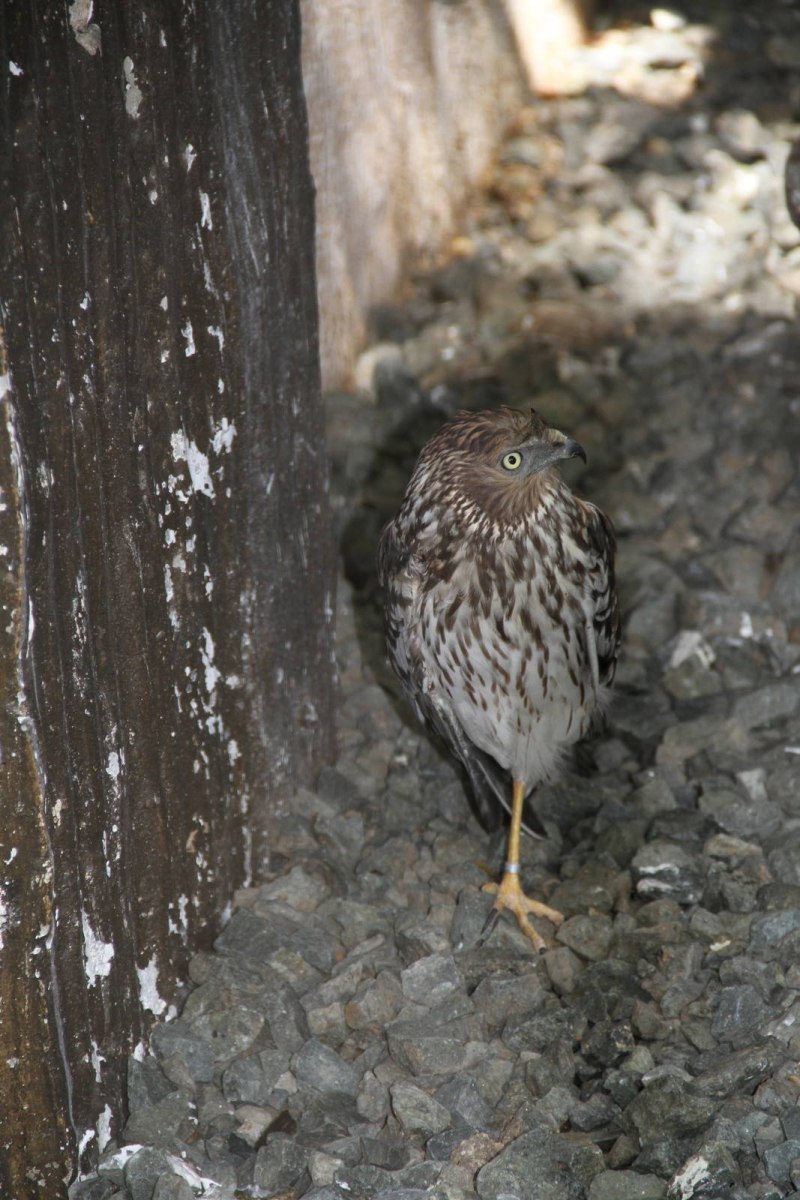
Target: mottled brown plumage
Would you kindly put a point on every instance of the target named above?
(501, 615)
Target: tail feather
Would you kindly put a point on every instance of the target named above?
(490, 784)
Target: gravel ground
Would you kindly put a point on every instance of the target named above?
(631, 270)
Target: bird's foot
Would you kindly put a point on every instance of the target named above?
(510, 895)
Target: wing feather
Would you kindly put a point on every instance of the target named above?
(604, 609)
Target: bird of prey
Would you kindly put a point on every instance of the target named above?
(501, 614)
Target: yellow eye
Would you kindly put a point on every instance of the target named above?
(511, 461)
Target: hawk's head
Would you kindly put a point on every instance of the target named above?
(498, 460)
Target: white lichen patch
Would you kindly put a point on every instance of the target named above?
(86, 1140)
(97, 1061)
(97, 954)
(206, 221)
(210, 672)
(188, 334)
(133, 93)
(189, 156)
(185, 450)
(148, 988)
(3, 917)
(87, 34)
(222, 436)
(113, 766)
(14, 68)
(104, 1129)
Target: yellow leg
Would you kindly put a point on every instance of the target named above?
(509, 892)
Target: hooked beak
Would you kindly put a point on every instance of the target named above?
(566, 447)
(573, 449)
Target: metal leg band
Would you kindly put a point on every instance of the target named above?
(512, 868)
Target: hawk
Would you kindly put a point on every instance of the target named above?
(501, 614)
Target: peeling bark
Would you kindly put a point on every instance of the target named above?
(166, 577)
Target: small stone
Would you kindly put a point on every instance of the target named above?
(475, 1151)
(648, 1022)
(418, 937)
(174, 1117)
(741, 816)
(279, 1165)
(418, 1112)
(686, 739)
(739, 1013)
(540, 1155)
(91, 1189)
(473, 909)
(665, 870)
(231, 1032)
(590, 937)
(766, 705)
(363, 1182)
(253, 1122)
(564, 969)
(626, 1185)
(147, 1084)
(742, 1070)
(252, 1080)
(256, 937)
(710, 1172)
(424, 1048)
(621, 1085)
(214, 1111)
(323, 1167)
(172, 1187)
(430, 980)
(593, 1113)
(176, 1037)
(392, 1154)
(462, 1099)
(285, 1017)
(298, 889)
(372, 1101)
(321, 1068)
(767, 932)
(504, 994)
(341, 986)
(375, 1004)
(554, 1066)
(142, 1172)
(608, 1042)
(668, 1107)
(621, 1154)
(779, 1160)
(328, 1023)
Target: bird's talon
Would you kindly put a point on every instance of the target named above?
(510, 895)
(490, 924)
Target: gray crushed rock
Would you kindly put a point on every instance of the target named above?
(356, 1032)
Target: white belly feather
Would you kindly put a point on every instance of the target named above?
(541, 688)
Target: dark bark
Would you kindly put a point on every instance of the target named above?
(165, 645)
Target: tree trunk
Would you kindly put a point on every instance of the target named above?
(166, 562)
